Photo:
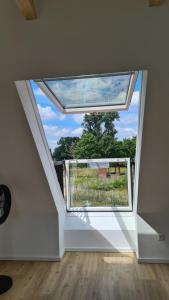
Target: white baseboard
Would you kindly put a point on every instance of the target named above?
(62, 254)
(153, 260)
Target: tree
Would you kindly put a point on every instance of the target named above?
(128, 147)
(64, 149)
(98, 136)
(92, 124)
(109, 127)
(97, 141)
(87, 147)
(107, 146)
(125, 148)
(100, 124)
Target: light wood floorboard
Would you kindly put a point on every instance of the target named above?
(87, 276)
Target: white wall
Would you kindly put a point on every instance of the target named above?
(153, 193)
(31, 230)
(100, 231)
(151, 249)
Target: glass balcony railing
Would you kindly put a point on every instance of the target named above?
(98, 184)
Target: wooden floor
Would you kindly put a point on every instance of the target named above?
(87, 276)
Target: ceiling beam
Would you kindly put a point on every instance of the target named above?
(27, 8)
(155, 2)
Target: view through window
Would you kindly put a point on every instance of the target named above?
(93, 153)
(95, 183)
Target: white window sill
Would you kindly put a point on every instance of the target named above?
(108, 214)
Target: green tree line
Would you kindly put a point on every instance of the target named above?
(98, 140)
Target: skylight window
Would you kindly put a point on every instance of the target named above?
(90, 93)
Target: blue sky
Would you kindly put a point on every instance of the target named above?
(57, 125)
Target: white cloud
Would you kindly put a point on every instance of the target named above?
(135, 98)
(46, 113)
(78, 118)
(52, 144)
(54, 133)
(126, 132)
(127, 119)
(127, 125)
(77, 131)
(38, 92)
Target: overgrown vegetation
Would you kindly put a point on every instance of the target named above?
(88, 189)
(108, 185)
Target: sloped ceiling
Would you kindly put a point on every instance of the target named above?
(28, 9)
(71, 37)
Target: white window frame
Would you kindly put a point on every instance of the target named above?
(101, 208)
(53, 98)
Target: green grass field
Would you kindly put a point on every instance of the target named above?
(89, 188)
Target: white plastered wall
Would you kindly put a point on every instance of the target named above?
(31, 230)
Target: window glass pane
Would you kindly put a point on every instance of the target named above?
(91, 91)
(98, 184)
